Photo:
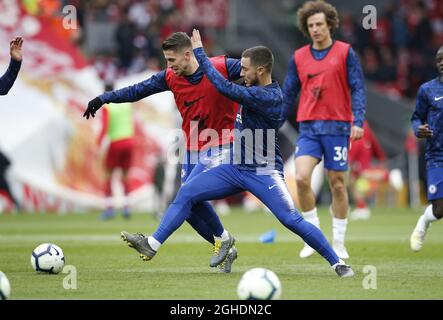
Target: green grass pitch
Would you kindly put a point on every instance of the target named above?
(108, 269)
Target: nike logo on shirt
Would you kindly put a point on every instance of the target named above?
(190, 103)
(271, 187)
(312, 75)
(439, 98)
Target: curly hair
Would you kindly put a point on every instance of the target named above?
(318, 6)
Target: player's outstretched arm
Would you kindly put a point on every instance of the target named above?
(8, 79)
(155, 84)
(233, 91)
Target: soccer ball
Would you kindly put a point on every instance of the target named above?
(5, 287)
(259, 284)
(48, 258)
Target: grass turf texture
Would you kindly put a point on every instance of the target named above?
(108, 269)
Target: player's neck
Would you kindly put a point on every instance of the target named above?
(193, 67)
(265, 80)
(320, 45)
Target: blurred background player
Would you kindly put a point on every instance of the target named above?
(5, 190)
(118, 128)
(200, 106)
(6, 82)
(326, 73)
(427, 123)
(364, 174)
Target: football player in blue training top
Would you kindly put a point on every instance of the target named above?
(246, 168)
(427, 122)
(330, 111)
(202, 108)
(7, 80)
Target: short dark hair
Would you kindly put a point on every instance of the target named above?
(313, 7)
(260, 57)
(177, 41)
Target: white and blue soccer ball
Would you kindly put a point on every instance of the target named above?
(48, 258)
(259, 284)
(5, 287)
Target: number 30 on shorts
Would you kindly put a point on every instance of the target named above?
(341, 154)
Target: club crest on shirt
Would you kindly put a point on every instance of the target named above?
(432, 189)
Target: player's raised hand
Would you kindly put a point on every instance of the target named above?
(424, 131)
(196, 39)
(15, 48)
(356, 133)
(92, 108)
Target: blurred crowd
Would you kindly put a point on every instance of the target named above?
(399, 55)
(122, 37)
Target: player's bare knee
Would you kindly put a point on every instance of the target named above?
(303, 181)
(338, 188)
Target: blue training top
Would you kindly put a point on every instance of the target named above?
(429, 109)
(292, 86)
(260, 111)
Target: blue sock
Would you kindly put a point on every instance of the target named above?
(177, 212)
(205, 221)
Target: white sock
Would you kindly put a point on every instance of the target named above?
(224, 236)
(154, 243)
(339, 230)
(426, 218)
(312, 217)
(336, 264)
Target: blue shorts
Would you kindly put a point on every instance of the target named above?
(435, 183)
(334, 149)
(194, 162)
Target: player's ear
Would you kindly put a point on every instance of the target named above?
(261, 70)
(188, 54)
